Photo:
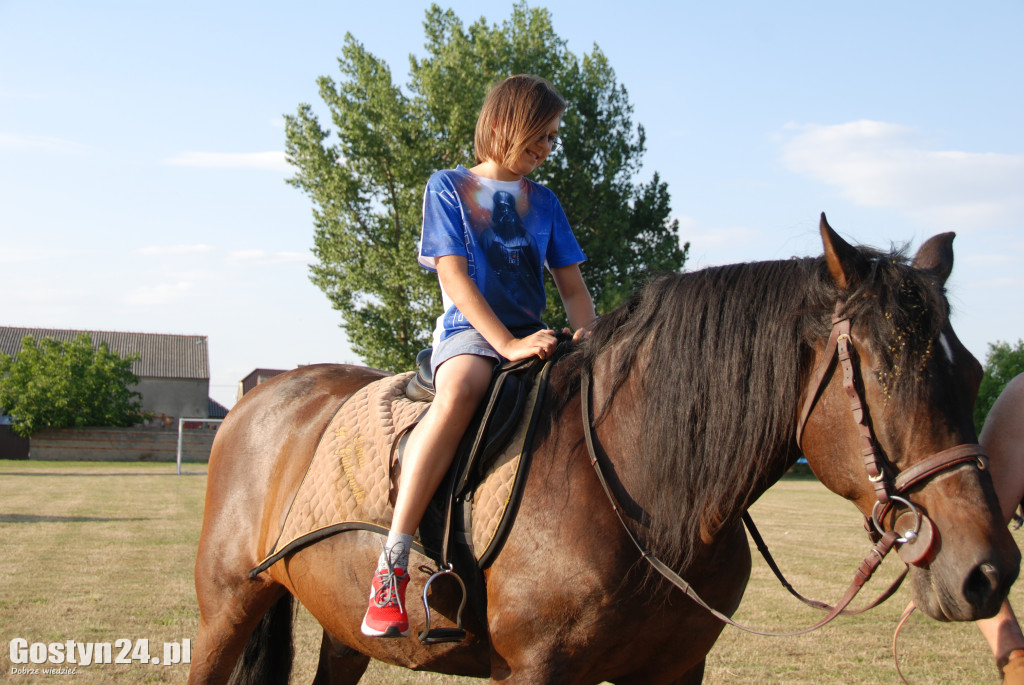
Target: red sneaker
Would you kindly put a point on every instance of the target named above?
(386, 615)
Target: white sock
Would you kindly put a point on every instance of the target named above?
(397, 549)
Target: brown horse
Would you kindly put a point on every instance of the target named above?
(697, 387)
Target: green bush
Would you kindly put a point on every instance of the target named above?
(54, 384)
(1002, 364)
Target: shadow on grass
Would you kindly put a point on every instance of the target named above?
(35, 518)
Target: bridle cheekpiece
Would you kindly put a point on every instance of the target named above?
(915, 533)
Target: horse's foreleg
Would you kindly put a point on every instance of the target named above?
(339, 664)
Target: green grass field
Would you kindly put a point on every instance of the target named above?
(103, 552)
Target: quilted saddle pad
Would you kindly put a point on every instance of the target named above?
(347, 482)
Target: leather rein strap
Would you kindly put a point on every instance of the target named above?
(838, 346)
(755, 536)
(867, 567)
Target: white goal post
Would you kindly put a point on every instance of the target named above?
(181, 428)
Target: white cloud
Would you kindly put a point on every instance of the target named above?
(717, 245)
(44, 143)
(263, 258)
(173, 250)
(160, 294)
(987, 261)
(717, 238)
(878, 164)
(40, 295)
(273, 161)
(247, 257)
(14, 254)
(1003, 284)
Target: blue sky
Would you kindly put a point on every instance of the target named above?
(142, 174)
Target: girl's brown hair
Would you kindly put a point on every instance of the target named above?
(514, 113)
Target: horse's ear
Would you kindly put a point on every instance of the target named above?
(842, 258)
(936, 256)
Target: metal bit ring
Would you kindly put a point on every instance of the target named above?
(909, 535)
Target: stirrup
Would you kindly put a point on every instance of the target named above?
(439, 635)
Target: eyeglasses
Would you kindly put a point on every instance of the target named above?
(553, 141)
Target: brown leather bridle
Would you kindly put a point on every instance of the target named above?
(918, 536)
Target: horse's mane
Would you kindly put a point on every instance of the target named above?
(721, 355)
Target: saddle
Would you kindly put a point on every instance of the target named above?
(350, 482)
(494, 423)
(448, 522)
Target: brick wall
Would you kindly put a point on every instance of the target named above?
(121, 444)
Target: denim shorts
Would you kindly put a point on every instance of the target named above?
(463, 342)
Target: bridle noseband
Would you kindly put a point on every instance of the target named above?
(918, 537)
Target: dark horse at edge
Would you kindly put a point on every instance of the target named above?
(697, 382)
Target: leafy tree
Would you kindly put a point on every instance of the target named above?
(53, 384)
(366, 176)
(1002, 364)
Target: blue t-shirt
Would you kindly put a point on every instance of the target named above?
(506, 230)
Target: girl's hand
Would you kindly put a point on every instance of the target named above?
(540, 344)
(582, 333)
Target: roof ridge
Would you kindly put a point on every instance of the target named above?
(95, 330)
(160, 355)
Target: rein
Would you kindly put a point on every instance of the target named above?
(917, 542)
(867, 567)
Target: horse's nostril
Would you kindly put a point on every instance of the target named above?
(982, 584)
(990, 573)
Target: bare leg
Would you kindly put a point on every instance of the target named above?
(1003, 439)
(460, 384)
(1003, 634)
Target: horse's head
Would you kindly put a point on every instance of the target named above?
(896, 435)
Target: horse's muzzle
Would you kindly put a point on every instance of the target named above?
(946, 594)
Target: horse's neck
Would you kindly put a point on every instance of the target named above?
(623, 417)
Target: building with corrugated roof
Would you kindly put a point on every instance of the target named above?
(173, 370)
(255, 377)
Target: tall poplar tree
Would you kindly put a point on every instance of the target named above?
(366, 175)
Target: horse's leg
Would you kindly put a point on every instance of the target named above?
(231, 605)
(227, 619)
(256, 463)
(339, 664)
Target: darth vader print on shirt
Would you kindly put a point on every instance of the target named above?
(510, 251)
